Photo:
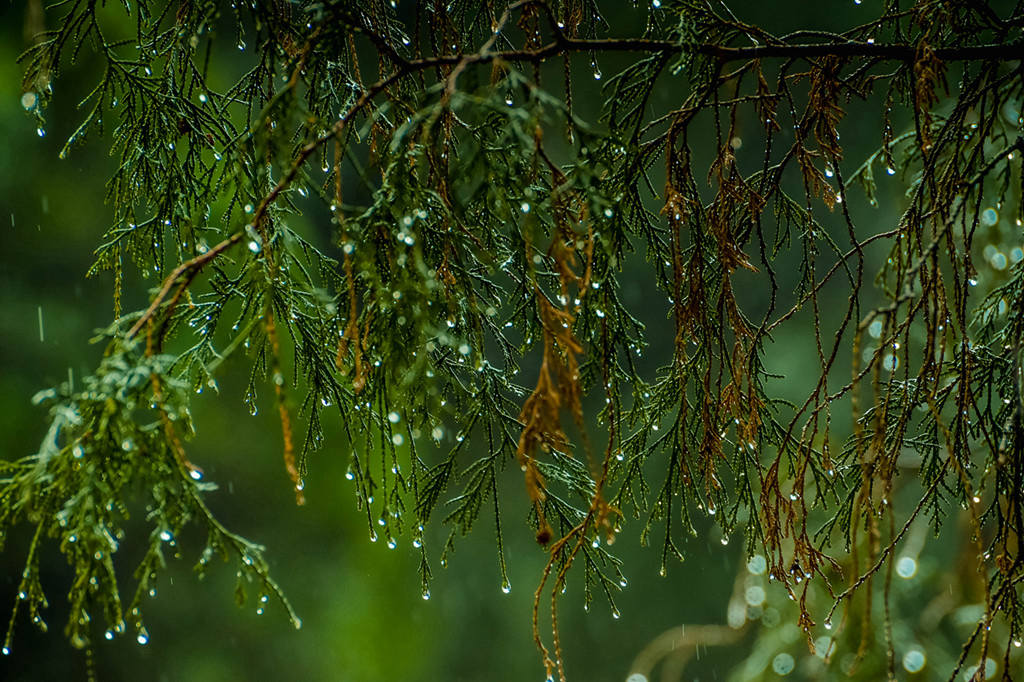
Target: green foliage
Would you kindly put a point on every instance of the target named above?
(115, 441)
(467, 312)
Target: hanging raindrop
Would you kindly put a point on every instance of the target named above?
(914, 660)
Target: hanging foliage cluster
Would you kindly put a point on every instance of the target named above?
(466, 323)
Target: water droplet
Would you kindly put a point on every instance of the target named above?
(109, 634)
(914, 660)
(202, 97)
(890, 170)
(506, 586)
(166, 536)
(426, 594)
(906, 567)
(783, 664)
(754, 595)
(142, 638)
(41, 132)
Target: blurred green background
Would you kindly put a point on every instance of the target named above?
(363, 615)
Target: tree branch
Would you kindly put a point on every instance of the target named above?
(558, 47)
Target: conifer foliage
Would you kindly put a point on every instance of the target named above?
(466, 323)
